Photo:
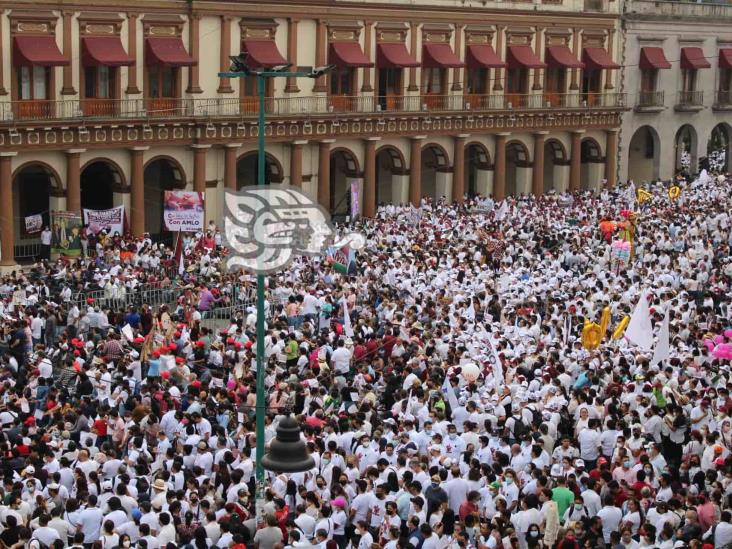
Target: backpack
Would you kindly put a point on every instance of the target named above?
(519, 429)
(40, 544)
(536, 417)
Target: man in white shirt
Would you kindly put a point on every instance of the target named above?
(589, 443)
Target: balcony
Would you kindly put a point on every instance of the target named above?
(650, 101)
(13, 112)
(723, 100)
(673, 10)
(690, 101)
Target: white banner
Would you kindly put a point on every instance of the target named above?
(184, 211)
(33, 223)
(113, 220)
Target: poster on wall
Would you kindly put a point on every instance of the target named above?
(184, 211)
(33, 224)
(112, 220)
(65, 234)
(355, 204)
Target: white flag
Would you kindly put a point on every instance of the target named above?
(449, 392)
(662, 350)
(640, 330)
(181, 266)
(347, 328)
(497, 366)
(502, 211)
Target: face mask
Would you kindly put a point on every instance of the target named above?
(325, 461)
(509, 480)
(648, 470)
(578, 506)
(453, 436)
(534, 533)
(125, 544)
(627, 463)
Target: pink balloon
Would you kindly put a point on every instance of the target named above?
(709, 345)
(718, 339)
(728, 333)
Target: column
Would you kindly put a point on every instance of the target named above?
(574, 84)
(68, 82)
(415, 169)
(73, 180)
(3, 91)
(296, 163)
(230, 150)
(193, 47)
(324, 172)
(224, 53)
(291, 82)
(609, 72)
(199, 167)
(537, 177)
(137, 190)
(538, 47)
(369, 177)
(368, 31)
(7, 229)
(576, 158)
(413, 50)
(497, 72)
(458, 168)
(320, 54)
(132, 52)
(611, 157)
(499, 164)
(457, 72)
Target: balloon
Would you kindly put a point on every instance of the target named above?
(591, 335)
(709, 345)
(618, 333)
(718, 339)
(728, 333)
(470, 372)
(604, 322)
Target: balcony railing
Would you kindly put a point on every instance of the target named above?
(691, 98)
(648, 99)
(724, 98)
(88, 110)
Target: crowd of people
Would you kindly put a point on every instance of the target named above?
(444, 390)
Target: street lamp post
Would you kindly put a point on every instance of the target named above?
(239, 69)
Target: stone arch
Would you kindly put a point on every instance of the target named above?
(686, 145)
(718, 147)
(435, 167)
(34, 183)
(477, 163)
(390, 165)
(246, 169)
(518, 168)
(644, 154)
(555, 156)
(161, 173)
(343, 167)
(100, 178)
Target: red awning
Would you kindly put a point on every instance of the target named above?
(105, 50)
(523, 56)
(37, 50)
(694, 58)
(483, 56)
(263, 54)
(394, 55)
(440, 56)
(598, 58)
(653, 58)
(167, 51)
(725, 58)
(347, 54)
(562, 56)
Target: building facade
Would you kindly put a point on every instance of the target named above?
(101, 107)
(677, 60)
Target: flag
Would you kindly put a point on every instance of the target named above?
(449, 393)
(661, 352)
(179, 254)
(497, 365)
(640, 331)
(502, 211)
(347, 328)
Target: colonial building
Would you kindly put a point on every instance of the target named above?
(677, 60)
(103, 106)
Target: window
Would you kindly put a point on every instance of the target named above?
(32, 82)
(98, 82)
(432, 81)
(390, 81)
(591, 81)
(555, 80)
(725, 77)
(476, 81)
(649, 77)
(162, 81)
(688, 80)
(516, 80)
(341, 81)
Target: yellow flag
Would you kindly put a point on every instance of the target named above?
(643, 195)
(674, 192)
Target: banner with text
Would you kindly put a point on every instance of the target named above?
(33, 223)
(112, 220)
(184, 211)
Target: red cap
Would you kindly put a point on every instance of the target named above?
(196, 384)
(77, 367)
(139, 339)
(200, 343)
(179, 360)
(230, 341)
(172, 347)
(165, 375)
(30, 421)
(156, 354)
(76, 352)
(237, 345)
